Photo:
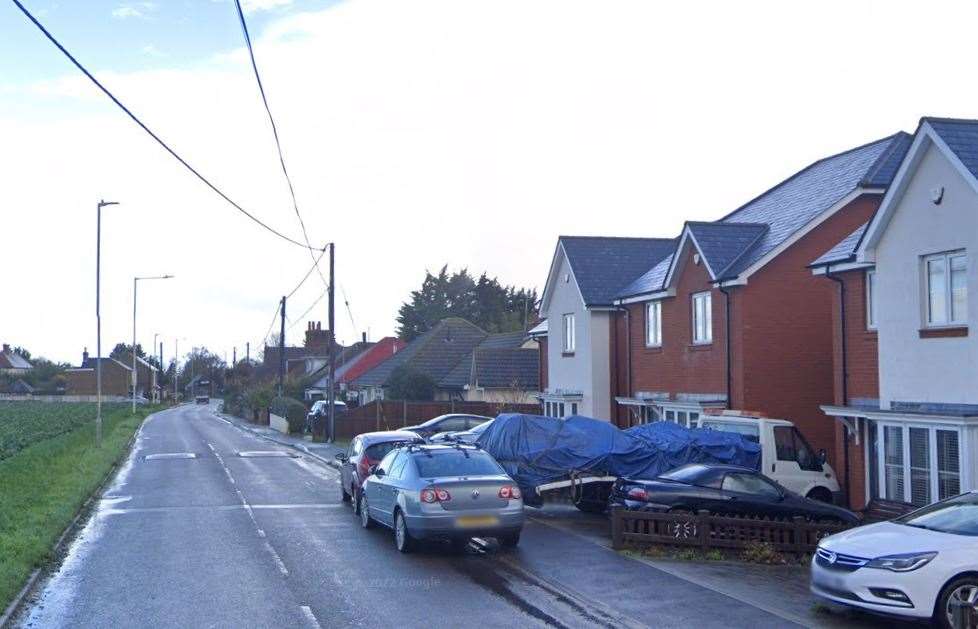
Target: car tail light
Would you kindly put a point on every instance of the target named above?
(507, 492)
(637, 493)
(435, 494)
(365, 464)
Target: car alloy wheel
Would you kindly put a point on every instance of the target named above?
(966, 592)
(356, 501)
(402, 538)
(365, 521)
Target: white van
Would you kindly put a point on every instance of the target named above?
(785, 455)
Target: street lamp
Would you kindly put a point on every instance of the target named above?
(135, 285)
(98, 320)
(159, 377)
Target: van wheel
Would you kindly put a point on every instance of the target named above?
(961, 589)
(821, 494)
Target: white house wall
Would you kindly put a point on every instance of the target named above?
(914, 369)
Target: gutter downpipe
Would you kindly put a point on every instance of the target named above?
(628, 354)
(726, 303)
(845, 373)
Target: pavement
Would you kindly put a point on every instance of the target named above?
(211, 522)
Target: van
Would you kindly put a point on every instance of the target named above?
(785, 455)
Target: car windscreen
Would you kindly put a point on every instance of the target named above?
(690, 474)
(379, 450)
(958, 516)
(749, 431)
(456, 463)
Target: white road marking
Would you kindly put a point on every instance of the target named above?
(247, 454)
(170, 455)
(311, 617)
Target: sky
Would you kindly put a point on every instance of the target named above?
(418, 133)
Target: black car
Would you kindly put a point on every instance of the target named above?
(722, 490)
(454, 422)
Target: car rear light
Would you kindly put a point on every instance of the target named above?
(507, 492)
(637, 493)
(435, 494)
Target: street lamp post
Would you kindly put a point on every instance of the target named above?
(98, 320)
(135, 285)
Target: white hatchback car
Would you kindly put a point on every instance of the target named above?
(917, 565)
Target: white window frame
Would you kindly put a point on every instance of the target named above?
(569, 333)
(871, 311)
(951, 318)
(707, 328)
(905, 427)
(653, 324)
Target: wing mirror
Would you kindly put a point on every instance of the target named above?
(341, 456)
(376, 471)
(822, 457)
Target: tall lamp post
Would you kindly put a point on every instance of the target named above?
(135, 285)
(98, 320)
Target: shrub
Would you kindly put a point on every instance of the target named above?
(292, 410)
(762, 552)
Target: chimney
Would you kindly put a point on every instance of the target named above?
(363, 336)
(6, 348)
(84, 356)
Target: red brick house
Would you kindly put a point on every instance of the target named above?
(734, 318)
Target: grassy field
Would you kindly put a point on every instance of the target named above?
(24, 423)
(45, 480)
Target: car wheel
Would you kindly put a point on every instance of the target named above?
(356, 500)
(365, 520)
(961, 589)
(510, 541)
(685, 528)
(402, 537)
(459, 545)
(820, 494)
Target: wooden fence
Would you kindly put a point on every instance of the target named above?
(705, 531)
(394, 414)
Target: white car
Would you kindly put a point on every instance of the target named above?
(917, 565)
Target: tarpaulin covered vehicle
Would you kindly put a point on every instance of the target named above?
(587, 455)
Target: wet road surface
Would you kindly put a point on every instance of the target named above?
(209, 525)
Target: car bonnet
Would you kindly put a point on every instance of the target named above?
(888, 538)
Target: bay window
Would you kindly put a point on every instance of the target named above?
(919, 464)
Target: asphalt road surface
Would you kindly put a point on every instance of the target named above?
(207, 525)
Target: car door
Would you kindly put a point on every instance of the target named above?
(796, 463)
(346, 469)
(380, 493)
(751, 495)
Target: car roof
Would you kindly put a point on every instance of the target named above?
(387, 435)
(716, 467)
(441, 448)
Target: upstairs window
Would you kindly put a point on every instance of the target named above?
(945, 275)
(653, 324)
(702, 318)
(569, 333)
(870, 300)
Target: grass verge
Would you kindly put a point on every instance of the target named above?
(44, 485)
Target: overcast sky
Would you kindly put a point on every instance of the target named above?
(418, 133)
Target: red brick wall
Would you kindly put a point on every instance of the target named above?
(115, 381)
(679, 366)
(787, 353)
(861, 344)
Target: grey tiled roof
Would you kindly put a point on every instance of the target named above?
(961, 136)
(795, 202)
(490, 357)
(435, 353)
(603, 266)
(844, 251)
(723, 243)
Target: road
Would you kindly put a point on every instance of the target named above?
(210, 525)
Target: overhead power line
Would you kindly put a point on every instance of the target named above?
(308, 310)
(278, 143)
(153, 135)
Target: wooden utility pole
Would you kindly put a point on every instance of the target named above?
(332, 343)
(281, 353)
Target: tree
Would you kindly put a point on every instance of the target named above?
(123, 352)
(485, 302)
(408, 384)
(26, 355)
(201, 362)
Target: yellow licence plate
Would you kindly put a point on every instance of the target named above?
(475, 521)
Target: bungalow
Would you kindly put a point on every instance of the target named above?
(905, 400)
(733, 318)
(12, 363)
(82, 380)
(351, 363)
(578, 303)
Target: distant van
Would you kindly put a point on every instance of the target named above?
(785, 455)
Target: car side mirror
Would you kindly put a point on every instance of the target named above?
(341, 456)
(376, 471)
(822, 456)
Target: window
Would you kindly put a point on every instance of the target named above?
(547, 411)
(573, 408)
(702, 318)
(791, 446)
(647, 414)
(653, 324)
(947, 288)
(751, 432)
(870, 300)
(560, 409)
(750, 484)
(569, 333)
(920, 464)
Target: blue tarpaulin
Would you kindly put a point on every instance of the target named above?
(535, 450)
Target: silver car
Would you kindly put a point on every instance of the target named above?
(442, 492)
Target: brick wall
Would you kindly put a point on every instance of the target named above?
(787, 345)
(678, 366)
(115, 381)
(862, 359)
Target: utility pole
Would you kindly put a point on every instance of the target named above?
(234, 356)
(248, 352)
(332, 343)
(98, 320)
(281, 353)
(176, 367)
(135, 283)
(161, 372)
